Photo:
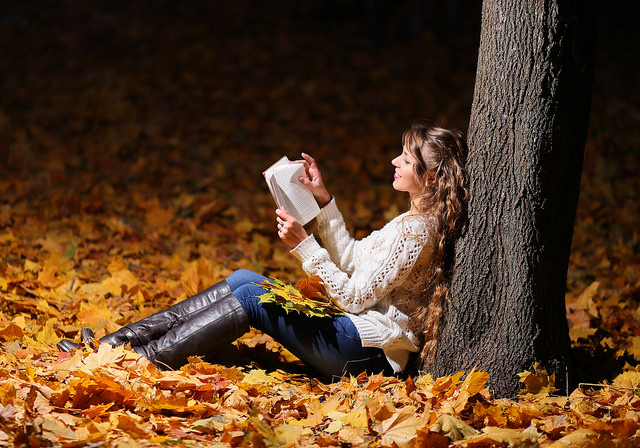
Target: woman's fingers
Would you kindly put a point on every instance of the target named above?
(289, 230)
(309, 165)
(284, 215)
(308, 158)
(284, 219)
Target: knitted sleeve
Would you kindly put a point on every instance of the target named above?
(379, 264)
(335, 236)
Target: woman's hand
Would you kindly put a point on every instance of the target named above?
(313, 181)
(289, 230)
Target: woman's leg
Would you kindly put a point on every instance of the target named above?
(218, 315)
(331, 345)
(153, 327)
(207, 326)
(203, 334)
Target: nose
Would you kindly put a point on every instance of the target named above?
(394, 162)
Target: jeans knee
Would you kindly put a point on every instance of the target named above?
(244, 277)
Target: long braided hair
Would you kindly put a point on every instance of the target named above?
(440, 156)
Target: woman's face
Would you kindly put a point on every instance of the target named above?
(404, 178)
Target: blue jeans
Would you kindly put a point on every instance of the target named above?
(331, 345)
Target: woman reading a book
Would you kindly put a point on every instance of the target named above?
(390, 285)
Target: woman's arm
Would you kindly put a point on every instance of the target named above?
(335, 237)
(331, 227)
(380, 266)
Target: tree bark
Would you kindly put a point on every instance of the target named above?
(526, 136)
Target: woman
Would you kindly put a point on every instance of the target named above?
(390, 284)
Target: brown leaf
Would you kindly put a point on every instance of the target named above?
(427, 439)
(11, 332)
(311, 287)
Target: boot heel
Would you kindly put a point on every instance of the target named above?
(89, 338)
(66, 346)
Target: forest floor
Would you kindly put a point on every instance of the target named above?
(132, 140)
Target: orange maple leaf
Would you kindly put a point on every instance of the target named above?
(311, 288)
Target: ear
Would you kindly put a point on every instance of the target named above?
(431, 179)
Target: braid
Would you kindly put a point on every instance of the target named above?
(440, 157)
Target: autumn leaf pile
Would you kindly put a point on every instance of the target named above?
(307, 297)
(132, 138)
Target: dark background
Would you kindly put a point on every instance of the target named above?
(152, 94)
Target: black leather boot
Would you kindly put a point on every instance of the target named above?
(153, 327)
(86, 335)
(204, 333)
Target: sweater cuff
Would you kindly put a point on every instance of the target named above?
(329, 211)
(306, 248)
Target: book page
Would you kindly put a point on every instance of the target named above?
(276, 192)
(289, 193)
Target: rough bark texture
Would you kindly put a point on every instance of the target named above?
(526, 136)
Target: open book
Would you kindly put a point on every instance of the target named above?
(289, 193)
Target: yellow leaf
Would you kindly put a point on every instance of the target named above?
(585, 300)
(472, 384)
(94, 314)
(629, 378)
(127, 424)
(48, 276)
(357, 419)
(492, 436)
(258, 376)
(583, 438)
(401, 427)
(452, 428)
(577, 333)
(56, 431)
(538, 384)
(47, 333)
(7, 237)
(354, 436)
(291, 299)
(238, 399)
(92, 290)
(121, 279)
(104, 356)
(334, 426)
(31, 266)
(216, 422)
(634, 347)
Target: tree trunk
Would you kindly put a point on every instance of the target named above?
(527, 132)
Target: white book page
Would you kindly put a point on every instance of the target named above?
(289, 193)
(268, 175)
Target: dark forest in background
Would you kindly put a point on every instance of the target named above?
(108, 105)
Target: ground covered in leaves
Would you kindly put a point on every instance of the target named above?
(132, 138)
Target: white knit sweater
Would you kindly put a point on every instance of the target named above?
(376, 280)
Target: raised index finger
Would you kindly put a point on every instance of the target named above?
(308, 158)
